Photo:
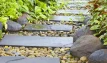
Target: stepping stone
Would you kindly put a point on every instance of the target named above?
(12, 59)
(66, 18)
(73, 2)
(33, 27)
(76, 5)
(16, 40)
(85, 12)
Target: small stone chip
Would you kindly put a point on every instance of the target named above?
(83, 58)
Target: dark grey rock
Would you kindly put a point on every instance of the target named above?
(87, 18)
(23, 19)
(16, 40)
(29, 60)
(85, 30)
(99, 56)
(33, 27)
(1, 26)
(13, 26)
(86, 45)
(66, 18)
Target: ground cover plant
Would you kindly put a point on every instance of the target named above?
(99, 18)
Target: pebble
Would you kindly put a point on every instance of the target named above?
(79, 61)
(6, 49)
(17, 54)
(83, 58)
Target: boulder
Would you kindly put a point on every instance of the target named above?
(99, 56)
(85, 45)
(13, 26)
(85, 30)
(23, 19)
(1, 26)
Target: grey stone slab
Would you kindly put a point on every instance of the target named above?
(8, 59)
(34, 27)
(76, 5)
(61, 27)
(15, 40)
(28, 60)
(66, 18)
(84, 12)
(72, 2)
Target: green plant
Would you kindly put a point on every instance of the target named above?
(38, 9)
(99, 20)
(43, 10)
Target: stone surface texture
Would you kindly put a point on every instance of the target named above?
(85, 30)
(29, 60)
(66, 18)
(99, 56)
(23, 19)
(33, 27)
(13, 26)
(17, 40)
(86, 45)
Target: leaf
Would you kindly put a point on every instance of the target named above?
(43, 16)
(37, 9)
(4, 21)
(96, 21)
(94, 27)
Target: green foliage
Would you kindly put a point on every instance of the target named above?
(44, 9)
(99, 20)
(38, 9)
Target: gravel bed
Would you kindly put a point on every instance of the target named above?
(54, 22)
(74, 24)
(44, 33)
(62, 53)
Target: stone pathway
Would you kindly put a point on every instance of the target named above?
(62, 15)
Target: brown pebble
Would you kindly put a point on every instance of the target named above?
(83, 58)
(74, 61)
(79, 61)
